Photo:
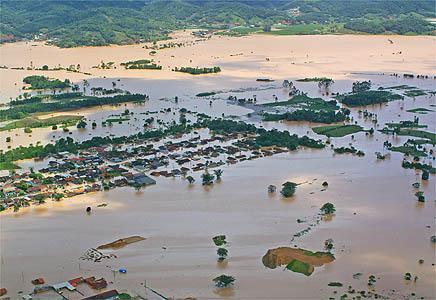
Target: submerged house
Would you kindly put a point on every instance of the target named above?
(141, 179)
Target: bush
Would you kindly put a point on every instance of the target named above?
(224, 281)
(328, 208)
(288, 189)
(219, 240)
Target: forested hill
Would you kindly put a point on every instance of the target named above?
(71, 23)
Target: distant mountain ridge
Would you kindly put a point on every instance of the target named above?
(73, 23)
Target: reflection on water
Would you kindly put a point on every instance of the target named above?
(379, 228)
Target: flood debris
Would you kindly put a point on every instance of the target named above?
(95, 255)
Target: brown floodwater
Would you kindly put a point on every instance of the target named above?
(378, 229)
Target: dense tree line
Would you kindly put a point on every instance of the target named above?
(368, 98)
(197, 71)
(322, 116)
(21, 111)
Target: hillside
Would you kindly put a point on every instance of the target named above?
(72, 23)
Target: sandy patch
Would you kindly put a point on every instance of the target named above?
(121, 242)
(284, 255)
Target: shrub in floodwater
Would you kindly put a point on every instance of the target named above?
(223, 281)
(328, 208)
(222, 253)
(190, 179)
(207, 178)
(219, 240)
(288, 189)
(425, 175)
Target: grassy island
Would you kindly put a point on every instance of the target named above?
(304, 108)
(33, 122)
(337, 130)
(71, 101)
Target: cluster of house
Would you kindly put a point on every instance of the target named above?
(103, 168)
(76, 288)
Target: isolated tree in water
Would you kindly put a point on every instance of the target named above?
(190, 179)
(328, 208)
(218, 174)
(325, 83)
(222, 253)
(207, 178)
(224, 281)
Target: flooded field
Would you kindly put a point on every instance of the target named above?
(378, 229)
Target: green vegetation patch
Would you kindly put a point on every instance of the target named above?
(337, 130)
(368, 98)
(239, 31)
(400, 87)
(197, 71)
(205, 94)
(306, 102)
(9, 166)
(313, 79)
(335, 283)
(42, 82)
(406, 124)
(300, 267)
(141, 64)
(414, 93)
(321, 116)
(69, 103)
(116, 120)
(409, 150)
(32, 122)
(301, 29)
(419, 133)
(419, 110)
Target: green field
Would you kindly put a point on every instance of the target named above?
(33, 122)
(409, 150)
(302, 29)
(419, 133)
(305, 102)
(240, 31)
(300, 267)
(414, 93)
(337, 130)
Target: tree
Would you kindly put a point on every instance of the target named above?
(190, 179)
(288, 189)
(219, 240)
(361, 86)
(207, 178)
(224, 281)
(328, 208)
(218, 174)
(222, 253)
(81, 124)
(325, 83)
(425, 175)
